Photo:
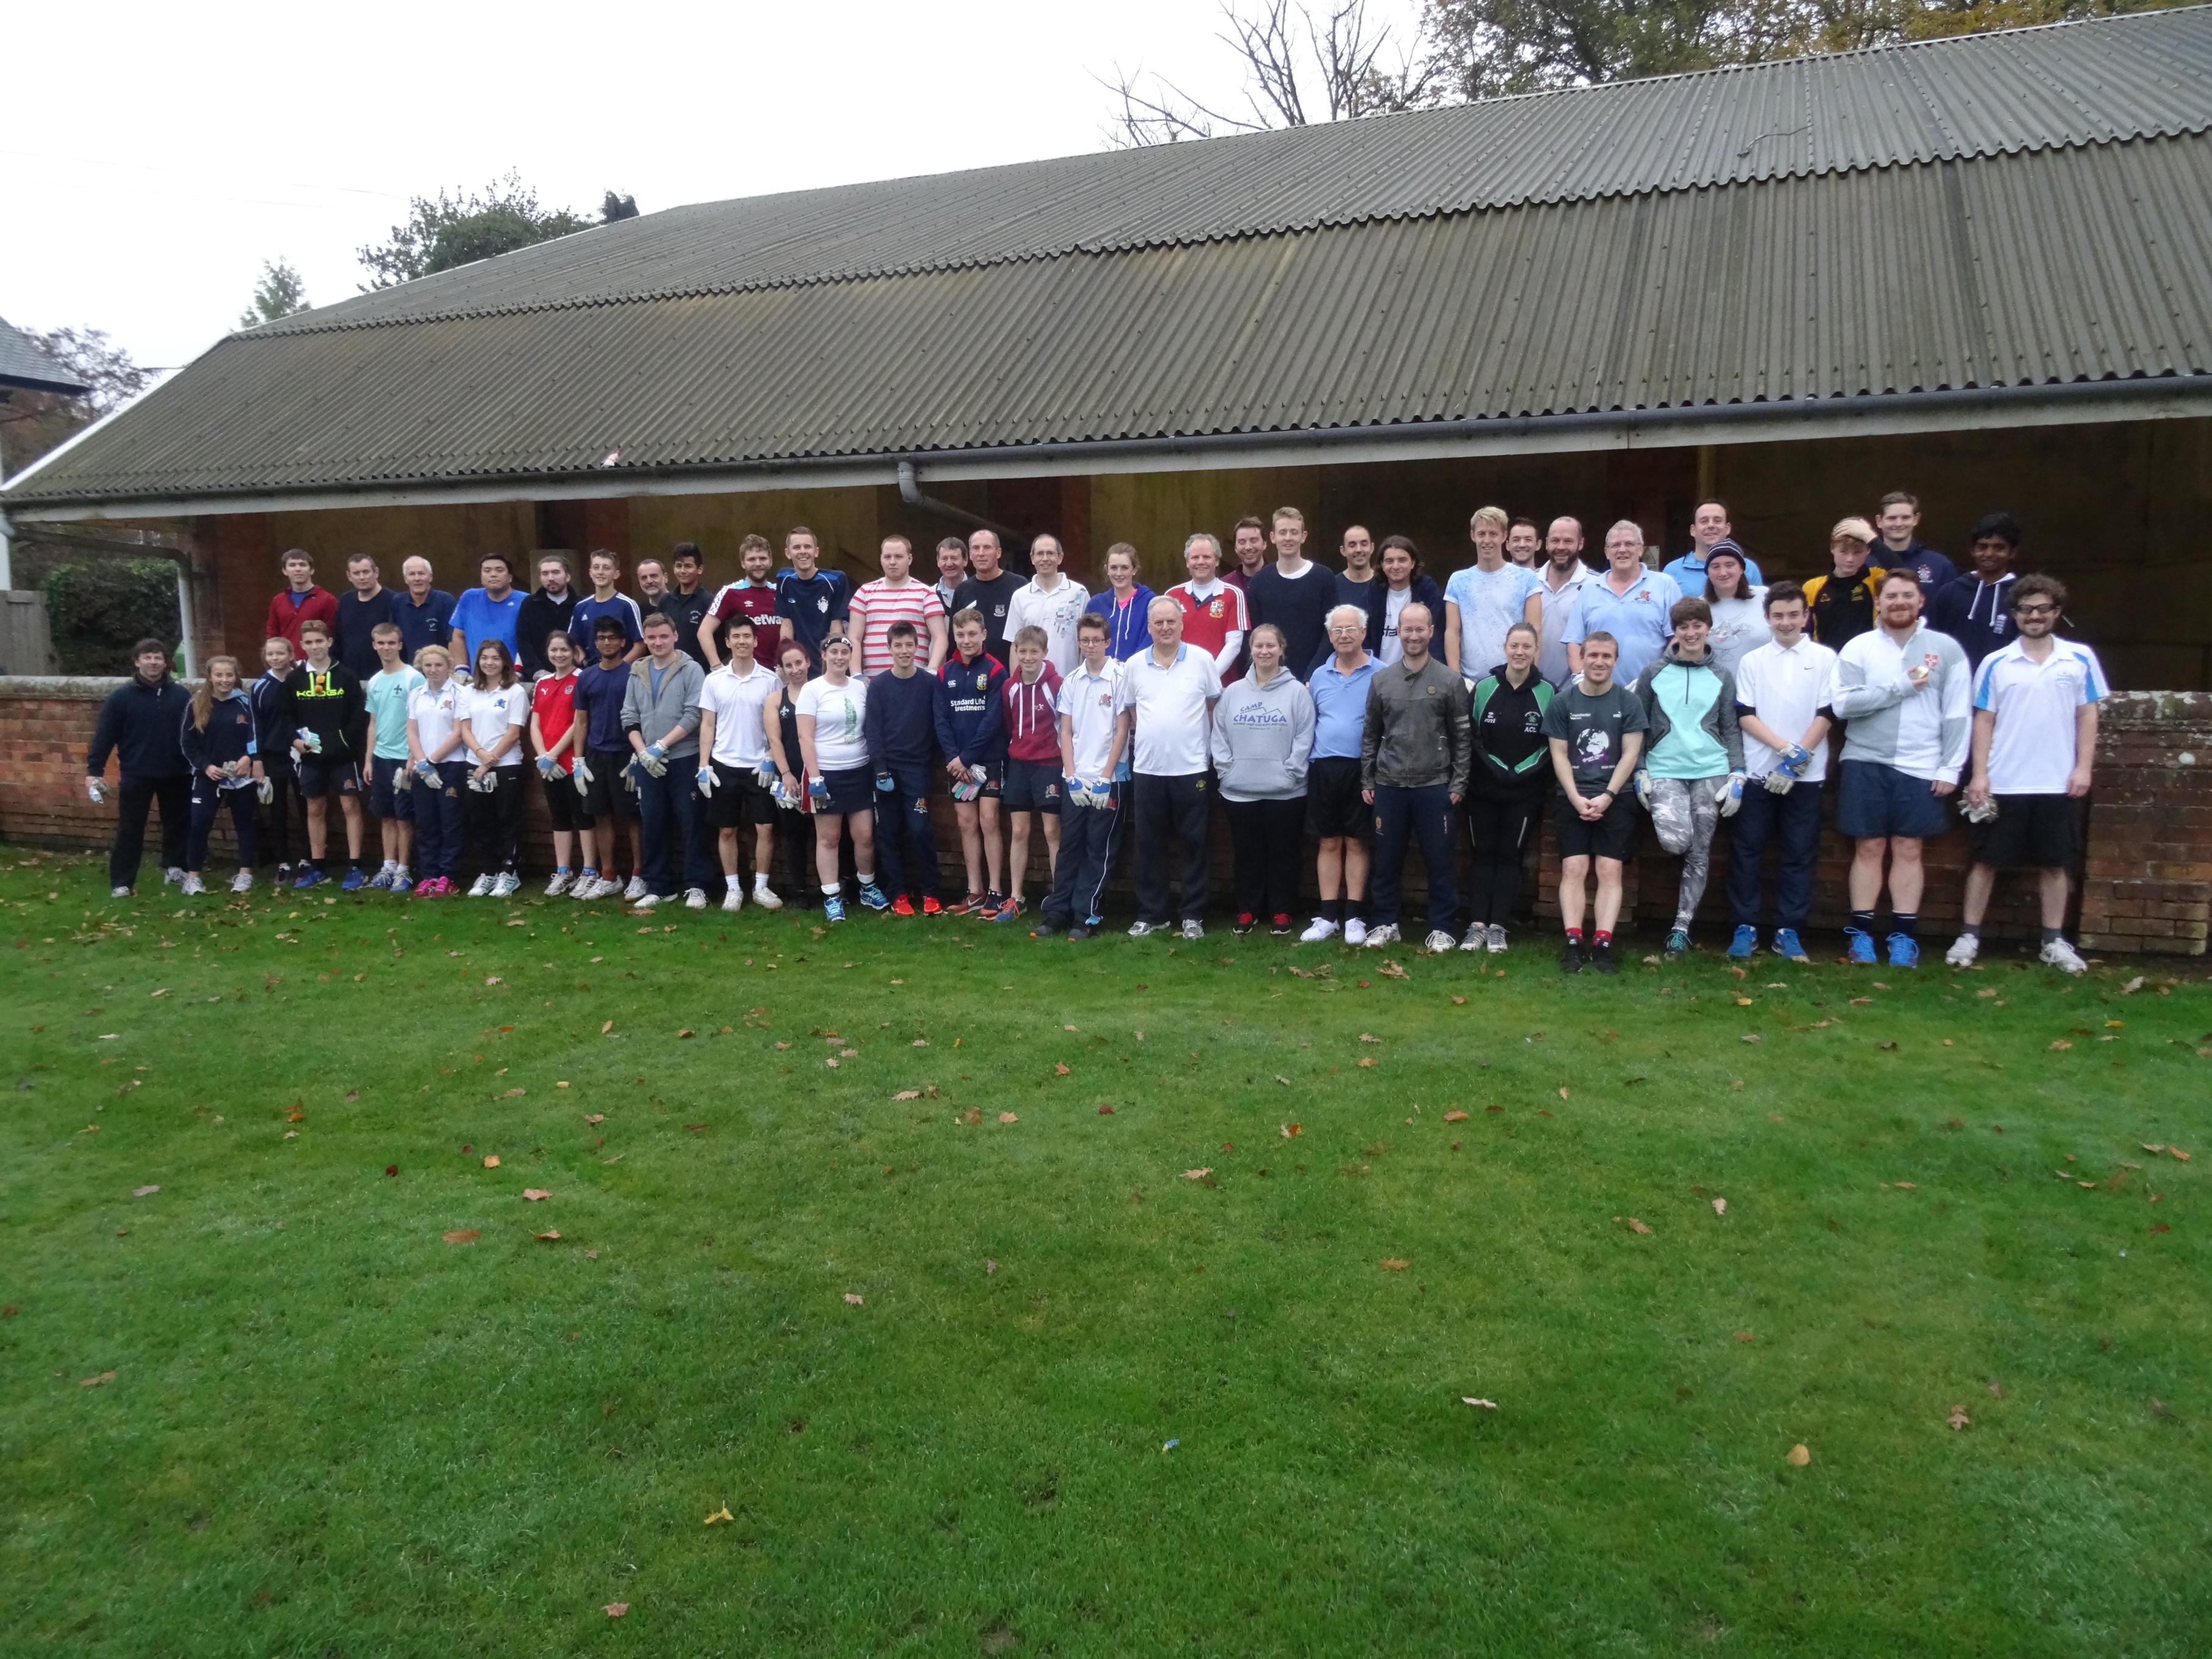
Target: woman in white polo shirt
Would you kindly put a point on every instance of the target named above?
(1166, 697)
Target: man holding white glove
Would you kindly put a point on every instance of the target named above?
(1096, 771)
(139, 724)
(660, 716)
(1782, 705)
(1692, 773)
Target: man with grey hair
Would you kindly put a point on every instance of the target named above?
(1629, 601)
(1215, 616)
(1336, 812)
(1165, 703)
(424, 614)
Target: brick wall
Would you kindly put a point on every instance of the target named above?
(2146, 887)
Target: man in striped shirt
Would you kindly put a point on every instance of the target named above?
(897, 597)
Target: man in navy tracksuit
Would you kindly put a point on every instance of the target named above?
(142, 724)
(901, 725)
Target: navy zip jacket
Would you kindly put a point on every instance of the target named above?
(138, 725)
(1976, 613)
(901, 721)
(230, 734)
(971, 713)
(268, 699)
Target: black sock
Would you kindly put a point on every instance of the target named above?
(1355, 909)
(2052, 935)
(1333, 910)
(1973, 930)
(1907, 922)
(1863, 920)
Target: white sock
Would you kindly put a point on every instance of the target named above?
(735, 884)
(833, 888)
(760, 881)
(865, 879)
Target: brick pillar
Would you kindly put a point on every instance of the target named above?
(2148, 885)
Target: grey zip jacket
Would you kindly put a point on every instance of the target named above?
(1420, 729)
(1262, 739)
(651, 716)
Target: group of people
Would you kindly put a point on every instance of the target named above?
(795, 716)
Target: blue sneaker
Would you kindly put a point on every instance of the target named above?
(1744, 944)
(1904, 951)
(1859, 946)
(873, 897)
(352, 882)
(1678, 942)
(1787, 944)
(833, 909)
(311, 877)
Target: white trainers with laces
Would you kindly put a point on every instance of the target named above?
(635, 890)
(1440, 941)
(242, 881)
(1194, 929)
(1137, 929)
(2061, 955)
(1964, 950)
(562, 882)
(480, 888)
(1496, 939)
(118, 892)
(1386, 934)
(647, 900)
(193, 886)
(1355, 931)
(174, 876)
(1478, 937)
(505, 883)
(734, 900)
(764, 896)
(1319, 928)
(695, 898)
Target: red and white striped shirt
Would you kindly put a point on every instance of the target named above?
(883, 604)
(1033, 716)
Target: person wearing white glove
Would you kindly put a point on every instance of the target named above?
(660, 717)
(139, 725)
(556, 736)
(1782, 706)
(1093, 757)
(1692, 774)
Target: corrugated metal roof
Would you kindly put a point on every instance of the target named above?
(2111, 80)
(26, 367)
(2056, 264)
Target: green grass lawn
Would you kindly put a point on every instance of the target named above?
(971, 1385)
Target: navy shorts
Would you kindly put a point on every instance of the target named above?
(1875, 801)
(852, 791)
(391, 791)
(319, 777)
(1031, 787)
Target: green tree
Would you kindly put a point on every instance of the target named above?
(282, 292)
(457, 228)
(615, 205)
(33, 423)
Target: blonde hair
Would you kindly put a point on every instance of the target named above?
(1493, 516)
(437, 651)
(1289, 515)
(1034, 635)
(203, 693)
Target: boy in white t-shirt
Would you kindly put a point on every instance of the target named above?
(733, 752)
(1092, 742)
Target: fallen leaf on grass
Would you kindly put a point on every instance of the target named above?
(1059, 1068)
(1754, 1036)
(1486, 1405)
(615, 1609)
(1798, 1456)
(1907, 1186)
(852, 1298)
(1743, 1002)
(1391, 969)
(1720, 1206)
(510, 1094)
(535, 1193)
(1958, 1418)
(908, 1094)
(548, 1237)
(143, 1192)
(686, 1032)
(1009, 1117)
(1291, 1129)
(1455, 1115)
(491, 1160)
(1459, 1002)
(989, 1267)
(595, 1118)
(1105, 1111)
(2062, 1043)
(1369, 1036)
(1634, 1226)
(604, 1029)
(1563, 1094)
(2132, 986)
(1197, 1175)
(2179, 1153)
(462, 1235)
(1393, 1264)
(1745, 1336)
(95, 1382)
(391, 1168)
(1367, 1060)
(2148, 1147)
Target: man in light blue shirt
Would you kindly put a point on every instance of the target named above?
(1709, 528)
(1335, 809)
(1628, 602)
(1485, 599)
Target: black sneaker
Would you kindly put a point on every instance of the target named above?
(1601, 959)
(1246, 922)
(1077, 934)
(1045, 928)
(1570, 959)
(1280, 925)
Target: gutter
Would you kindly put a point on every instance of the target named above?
(910, 492)
(2062, 403)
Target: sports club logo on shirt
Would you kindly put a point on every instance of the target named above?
(1218, 609)
(983, 681)
(823, 603)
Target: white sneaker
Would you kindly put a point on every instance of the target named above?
(1355, 932)
(401, 880)
(1496, 939)
(734, 900)
(1440, 941)
(1386, 934)
(1478, 937)
(764, 896)
(480, 888)
(587, 887)
(1319, 928)
(1964, 950)
(635, 890)
(1194, 929)
(562, 882)
(1137, 929)
(174, 876)
(242, 881)
(2061, 955)
(506, 885)
(695, 898)
(647, 900)
(193, 887)
(118, 892)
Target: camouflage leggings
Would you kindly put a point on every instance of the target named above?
(1684, 811)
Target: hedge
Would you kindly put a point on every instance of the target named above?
(98, 609)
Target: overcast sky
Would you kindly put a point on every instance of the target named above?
(183, 145)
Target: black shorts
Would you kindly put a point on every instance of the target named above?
(564, 806)
(1332, 804)
(391, 791)
(2031, 832)
(609, 795)
(320, 776)
(850, 791)
(738, 799)
(1032, 786)
(1612, 837)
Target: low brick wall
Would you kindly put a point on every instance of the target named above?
(2146, 885)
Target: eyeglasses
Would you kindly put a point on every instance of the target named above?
(2036, 610)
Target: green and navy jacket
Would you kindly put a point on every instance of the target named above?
(1690, 707)
(1511, 758)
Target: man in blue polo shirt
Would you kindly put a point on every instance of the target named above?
(490, 612)
(1709, 528)
(1335, 810)
(812, 603)
(1628, 602)
(424, 614)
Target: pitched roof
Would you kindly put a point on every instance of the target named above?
(2013, 210)
(25, 365)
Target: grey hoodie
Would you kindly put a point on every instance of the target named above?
(1263, 737)
(651, 716)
